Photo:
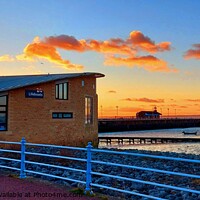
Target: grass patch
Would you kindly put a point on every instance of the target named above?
(77, 191)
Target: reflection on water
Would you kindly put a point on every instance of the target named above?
(189, 148)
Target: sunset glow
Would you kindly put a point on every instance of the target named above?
(149, 52)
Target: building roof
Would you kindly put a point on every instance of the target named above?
(14, 82)
(149, 112)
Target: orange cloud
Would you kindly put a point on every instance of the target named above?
(112, 91)
(150, 63)
(45, 51)
(116, 46)
(128, 99)
(144, 43)
(183, 106)
(193, 100)
(112, 46)
(24, 57)
(66, 42)
(146, 100)
(174, 106)
(118, 51)
(6, 58)
(134, 43)
(129, 109)
(193, 53)
(130, 47)
(121, 110)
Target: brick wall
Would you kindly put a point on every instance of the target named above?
(32, 118)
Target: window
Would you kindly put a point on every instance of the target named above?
(62, 115)
(3, 113)
(88, 110)
(62, 91)
(82, 83)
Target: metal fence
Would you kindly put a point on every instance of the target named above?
(91, 172)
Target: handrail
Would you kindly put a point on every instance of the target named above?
(55, 166)
(56, 146)
(147, 182)
(10, 151)
(146, 169)
(10, 159)
(91, 160)
(126, 191)
(7, 167)
(54, 156)
(54, 176)
(146, 155)
(7, 142)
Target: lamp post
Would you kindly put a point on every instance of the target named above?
(117, 110)
(101, 111)
(161, 110)
(168, 112)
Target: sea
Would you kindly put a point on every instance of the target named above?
(188, 148)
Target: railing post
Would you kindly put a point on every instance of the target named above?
(23, 148)
(89, 168)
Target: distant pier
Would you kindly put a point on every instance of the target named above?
(133, 124)
(145, 140)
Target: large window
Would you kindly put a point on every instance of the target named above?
(88, 110)
(3, 113)
(62, 91)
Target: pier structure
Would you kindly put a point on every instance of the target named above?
(145, 140)
(133, 124)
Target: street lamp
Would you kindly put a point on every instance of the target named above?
(168, 112)
(101, 111)
(117, 110)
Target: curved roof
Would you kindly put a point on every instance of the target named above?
(14, 82)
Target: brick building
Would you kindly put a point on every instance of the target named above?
(53, 108)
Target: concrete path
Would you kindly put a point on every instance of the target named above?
(12, 188)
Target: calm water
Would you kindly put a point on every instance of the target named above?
(189, 148)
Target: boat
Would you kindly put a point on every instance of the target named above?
(189, 133)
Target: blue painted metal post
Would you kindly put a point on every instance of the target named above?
(23, 148)
(89, 168)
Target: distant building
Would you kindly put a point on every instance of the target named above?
(51, 108)
(148, 114)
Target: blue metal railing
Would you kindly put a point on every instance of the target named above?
(88, 170)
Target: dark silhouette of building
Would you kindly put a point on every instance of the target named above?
(148, 114)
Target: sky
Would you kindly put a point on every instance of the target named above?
(148, 50)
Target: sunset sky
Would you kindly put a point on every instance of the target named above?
(148, 50)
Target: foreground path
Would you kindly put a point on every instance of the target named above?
(32, 189)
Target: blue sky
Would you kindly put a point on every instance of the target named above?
(135, 86)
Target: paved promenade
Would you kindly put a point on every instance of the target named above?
(12, 188)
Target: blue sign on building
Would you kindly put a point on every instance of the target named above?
(34, 93)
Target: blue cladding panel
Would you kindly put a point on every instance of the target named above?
(34, 94)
